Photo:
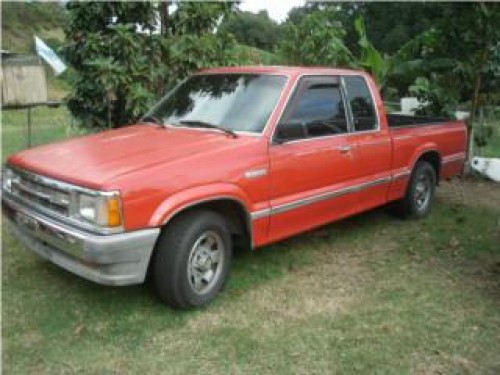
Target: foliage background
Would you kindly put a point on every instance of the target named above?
(120, 64)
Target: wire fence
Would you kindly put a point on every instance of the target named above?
(48, 124)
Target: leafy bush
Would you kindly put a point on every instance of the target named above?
(123, 64)
(316, 40)
(253, 29)
(439, 99)
(482, 135)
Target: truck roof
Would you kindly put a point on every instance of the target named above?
(283, 70)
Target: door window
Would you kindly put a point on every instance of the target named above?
(316, 110)
(361, 102)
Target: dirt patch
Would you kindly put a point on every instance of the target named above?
(471, 192)
(326, 287)
(329, 286)
(323, 288)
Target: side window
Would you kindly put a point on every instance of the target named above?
(361, 102)
(316, 110)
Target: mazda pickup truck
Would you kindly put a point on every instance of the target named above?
(240, 156)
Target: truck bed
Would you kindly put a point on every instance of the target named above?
(397, 120)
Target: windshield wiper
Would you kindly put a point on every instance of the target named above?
(152, 120)
(204, 124)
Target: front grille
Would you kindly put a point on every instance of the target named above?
(36, 191)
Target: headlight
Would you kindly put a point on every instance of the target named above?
(95, 210)
(103, 210)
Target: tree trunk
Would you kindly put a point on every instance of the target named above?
(475, 101)
(164, 17)
(475, 98)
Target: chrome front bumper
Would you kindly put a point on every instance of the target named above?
(115, 259)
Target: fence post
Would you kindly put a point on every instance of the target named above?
(29, 126)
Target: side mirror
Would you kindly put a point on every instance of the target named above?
(287, 132)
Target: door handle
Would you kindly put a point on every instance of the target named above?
(343, 149)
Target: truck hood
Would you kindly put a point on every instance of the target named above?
(95, 160)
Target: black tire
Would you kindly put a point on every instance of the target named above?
(417, 203)
(179, 247)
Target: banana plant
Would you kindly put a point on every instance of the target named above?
(404, 61)
(370, 59)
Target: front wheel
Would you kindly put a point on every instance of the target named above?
(420, 192)
(192, 260)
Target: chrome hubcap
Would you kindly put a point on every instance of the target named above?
(205, 263)
(423, 189)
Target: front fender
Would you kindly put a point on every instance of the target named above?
(196, 195)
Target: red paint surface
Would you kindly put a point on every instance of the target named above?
(160, 171)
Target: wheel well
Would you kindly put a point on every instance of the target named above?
(434, 159)
(237, 218)
(239, 223)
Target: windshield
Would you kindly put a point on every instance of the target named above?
(238, 102)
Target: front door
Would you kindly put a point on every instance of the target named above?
(311, 160)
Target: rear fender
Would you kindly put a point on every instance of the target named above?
(422, 149)
(400, 185)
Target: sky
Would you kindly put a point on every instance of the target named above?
(277, 9)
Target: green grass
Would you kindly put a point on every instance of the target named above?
(48, 125)
(492, 149)
(21, 20)
(369, 295)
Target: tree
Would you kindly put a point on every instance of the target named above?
(123, 64)
(390, 25)
(317, 37)
(253, 29)
(393, 24)
(473, 42)
(297, 14)
(407, 63)
(316, 40)
(466, 34)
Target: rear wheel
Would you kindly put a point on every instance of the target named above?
(420, 192)
(192, 260)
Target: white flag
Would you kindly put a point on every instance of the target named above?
(46, 53)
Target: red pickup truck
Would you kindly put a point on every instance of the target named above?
(246, 155)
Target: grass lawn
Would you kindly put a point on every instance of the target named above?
(371, 294)
(492, 149)
(48, 125)
(368, 295)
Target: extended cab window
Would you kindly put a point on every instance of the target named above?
(360, 100)
(315, 110)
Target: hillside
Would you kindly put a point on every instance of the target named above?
(20, 21)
